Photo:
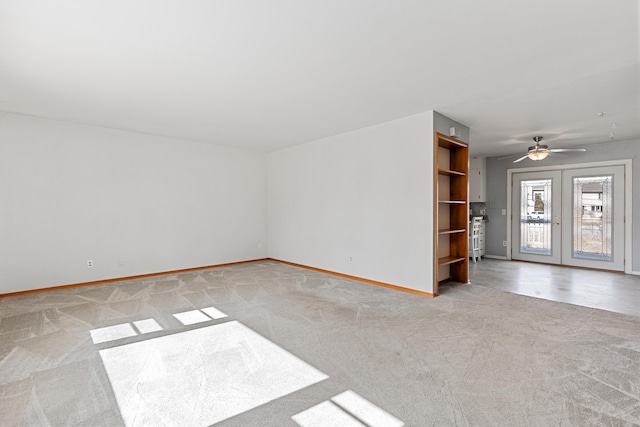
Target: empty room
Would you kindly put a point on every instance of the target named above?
(319, 213)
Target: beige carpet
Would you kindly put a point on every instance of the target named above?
(270, 344)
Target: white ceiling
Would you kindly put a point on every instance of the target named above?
(270, 74)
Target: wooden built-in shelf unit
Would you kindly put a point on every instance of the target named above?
(451, 223)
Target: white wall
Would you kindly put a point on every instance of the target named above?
(366, 194)
(69, 193)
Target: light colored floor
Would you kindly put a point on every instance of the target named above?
(268, 344)
(617, 292)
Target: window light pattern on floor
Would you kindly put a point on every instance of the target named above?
(199, 316)
(124, 330)
(345, 410)
(202, 376)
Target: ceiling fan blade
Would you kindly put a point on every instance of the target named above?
(521, 158)
(564, 150)
(510, 156)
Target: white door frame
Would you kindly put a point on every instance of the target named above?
(628, 226)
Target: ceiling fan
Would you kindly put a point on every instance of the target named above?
(540, 151)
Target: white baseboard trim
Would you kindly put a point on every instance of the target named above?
(495, 257)
(636, 273)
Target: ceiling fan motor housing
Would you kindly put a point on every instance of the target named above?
(538, 147)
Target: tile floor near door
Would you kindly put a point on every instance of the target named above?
(605, 290)
(268, 344)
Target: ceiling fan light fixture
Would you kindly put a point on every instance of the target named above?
(538, 152)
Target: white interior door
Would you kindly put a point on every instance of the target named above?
(593, 206)
(571, 217)
(536, 226)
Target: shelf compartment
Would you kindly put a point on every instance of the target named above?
(450, 260)
(450, 143)
(449, 172)
(452, 230)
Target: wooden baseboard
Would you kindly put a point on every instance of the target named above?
(185, 270)
(359, 279)
(118, 279)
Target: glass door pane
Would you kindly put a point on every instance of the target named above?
(535, 218)
(536, 208)
(592, 217)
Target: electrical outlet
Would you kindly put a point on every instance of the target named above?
(504, 243)
(350, 259)
(89, 263)
(121, 263)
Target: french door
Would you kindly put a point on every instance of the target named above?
(572, 217)
(537, 212)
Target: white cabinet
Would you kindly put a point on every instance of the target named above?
(481, 239)
(477, 179)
